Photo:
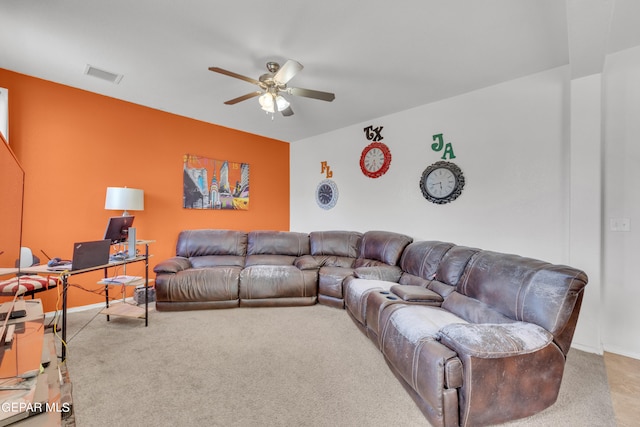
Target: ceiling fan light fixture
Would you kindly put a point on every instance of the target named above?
(281, 103)
(266, 102)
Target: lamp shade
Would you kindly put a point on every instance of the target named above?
(124, 198)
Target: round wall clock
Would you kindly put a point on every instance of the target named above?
(375, 160)
(442, 182)
(327, 194)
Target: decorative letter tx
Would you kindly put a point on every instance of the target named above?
(373, 134)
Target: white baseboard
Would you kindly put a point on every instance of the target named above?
(587, 348)
(622, 352)
(82, 308)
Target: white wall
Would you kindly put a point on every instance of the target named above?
(621, 283)
(509, 140)
(585, 202)
(512, 143)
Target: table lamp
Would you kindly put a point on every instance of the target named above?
(124, 198)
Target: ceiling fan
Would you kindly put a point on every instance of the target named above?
(272, 84)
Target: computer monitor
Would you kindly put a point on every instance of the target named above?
(118, 228)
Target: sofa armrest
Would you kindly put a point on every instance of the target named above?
(412, 293)
(492, 340)
(306, 262)
(516, 364)
(172, 265)
(387, 273)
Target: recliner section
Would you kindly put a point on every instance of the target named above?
(205, 273)
(278, 270)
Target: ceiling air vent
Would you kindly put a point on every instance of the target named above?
(102, 74)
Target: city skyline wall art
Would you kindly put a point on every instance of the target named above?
(214, 184)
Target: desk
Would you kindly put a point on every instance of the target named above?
(64, 278)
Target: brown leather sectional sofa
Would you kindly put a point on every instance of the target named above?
(476, 337)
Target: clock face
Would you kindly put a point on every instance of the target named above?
(327, 194)
(442, 182)
(375, 160)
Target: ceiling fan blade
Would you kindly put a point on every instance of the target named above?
(243, 97)
(235, 75)
(287, 112)
(287, 71)
(315, 94)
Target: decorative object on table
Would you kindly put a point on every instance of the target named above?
(123, 198)
(215, 184)
(376, 157)
(442, 182)
(327, 189)
(273, 84)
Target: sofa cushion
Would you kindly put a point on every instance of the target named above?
(335, 261)
(383, 246)
(408, 337)
(472, 310)
(277, 281)
(416, 322)
(356, 293)
(453, 264)
(344, 244)
(410, 279)
(423, 258)
(441, 288)
(192, 243)
(366, 262)
(277, 243)
(269, 259)
(330, 280)
(524, 289)
(306, 262)
(492, 341)
(216, 261)
(199, 284)
(390, 273)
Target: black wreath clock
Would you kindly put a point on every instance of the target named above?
(327, 194)
(375, 160)
(442, 182)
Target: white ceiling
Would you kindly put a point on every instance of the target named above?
(378, 57)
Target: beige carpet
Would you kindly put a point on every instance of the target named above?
(294, 366)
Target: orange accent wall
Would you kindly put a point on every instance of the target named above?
(73, 144)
